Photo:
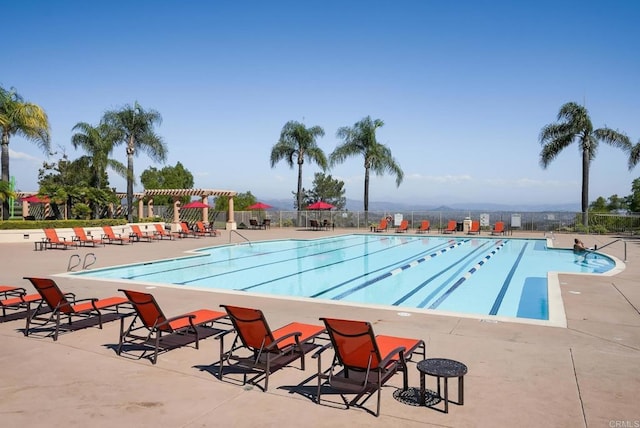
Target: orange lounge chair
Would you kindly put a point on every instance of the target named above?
(53, 241)
(367, 361)
(65, 304)
(264, 350)
(451, 227)
(162, 233)
(498, 228)
(138, 235)
(18, 301)
(156, 324)
(10, 290)
(425, 226)
(110, 237)
(83, 240)
(185, 231)
(404, 226)
(204, 230)
(475, 228)
(382, 226)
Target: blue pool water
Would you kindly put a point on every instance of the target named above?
(480, 276)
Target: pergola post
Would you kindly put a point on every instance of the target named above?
(150, 208)
(205, 210)
(231, 222)
(140, 208)
(175, 226)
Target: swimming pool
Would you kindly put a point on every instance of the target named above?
(501, 277)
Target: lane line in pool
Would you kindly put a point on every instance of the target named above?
(466, 276)
(396, 271)
(342, 284)
(315, 268)
(507, 282)
(437, 275)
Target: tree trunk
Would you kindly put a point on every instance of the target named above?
(5, 172)
(299, 194)
(585, 187)
(130, 185)
(366, 197)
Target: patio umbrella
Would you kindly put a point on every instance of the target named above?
(259, 206)
(34, 199)
(196, 204)
(320, 205)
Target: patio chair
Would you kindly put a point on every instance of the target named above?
(475, 228)
(367, 361)
(256, 348)
(110, 237)
(138, 235)
(54, 241)
(382, 226)
(205, 230)
(185, 231)
(425, 226)
(451, 227)
(498, 228)
(65, 304)
(162, 332)
(162, 233)
(404, 226)
(83, 240)
(16, 298)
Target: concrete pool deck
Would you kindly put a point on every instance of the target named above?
(519, 374)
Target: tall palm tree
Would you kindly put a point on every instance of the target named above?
(296, 143)
(98, 142)
(361, 140)
(18, 117)
(574, 124)
(136, 131)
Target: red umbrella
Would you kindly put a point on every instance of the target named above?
(320, 205)
(259, 206)
(34, 199)
(196, 204)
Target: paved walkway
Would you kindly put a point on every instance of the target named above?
(519, 375)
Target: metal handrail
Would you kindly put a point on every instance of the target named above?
(85, 265)
(613, 242)
(69, 267)
(240, 235)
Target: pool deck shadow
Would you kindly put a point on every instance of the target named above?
(585, 375)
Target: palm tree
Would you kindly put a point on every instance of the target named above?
(296, 143)
(634, 155)
(136, 131)
(18, 117)
(574, 124)
(98, 142)
(361, 140)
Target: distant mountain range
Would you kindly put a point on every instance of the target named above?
(355, 205)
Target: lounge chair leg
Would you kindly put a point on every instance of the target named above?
(55, 335)
(157, 344)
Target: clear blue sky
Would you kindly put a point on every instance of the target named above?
(463, 87)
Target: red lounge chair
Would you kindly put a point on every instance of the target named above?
(425, 226)
(162, 233)
(110, 237)
(16, 298)
(382, 226)
(404, 226)
(265, 350)
(53, 241)
(204, 230)
(475, 228)
(186, 232)
(451, 227)
(66, 304)
(138, 235)
(498, 228)
(367, 361)
(82, 238)
(156, 324)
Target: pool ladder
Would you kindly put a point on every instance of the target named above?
(85, 264)
(240, 235)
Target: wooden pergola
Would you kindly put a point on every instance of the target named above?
(176, 194)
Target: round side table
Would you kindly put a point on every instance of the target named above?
(442, 368)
